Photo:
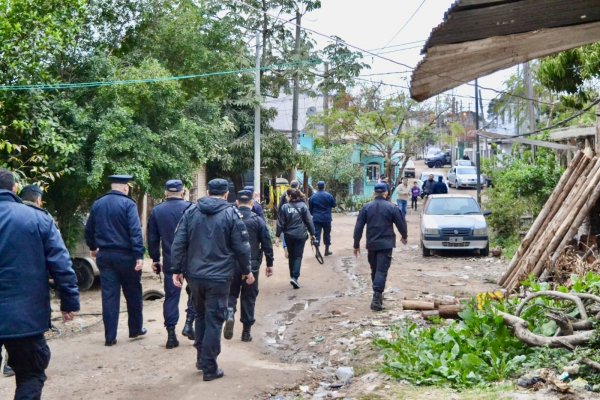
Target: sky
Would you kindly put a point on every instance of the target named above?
(375, 24)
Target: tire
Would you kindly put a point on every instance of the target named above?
(438, 164)
(426, 251)
(449, 184)
(486, 251)
(85, 274)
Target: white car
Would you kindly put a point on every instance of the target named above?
(409, 169)
(464, 177)
(453, 221)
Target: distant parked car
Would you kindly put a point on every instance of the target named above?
(464, 177)
(409, 169)
(438, 159)
(453, 221)
(425, 175)
(463, 163)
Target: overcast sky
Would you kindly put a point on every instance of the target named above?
(374, 24)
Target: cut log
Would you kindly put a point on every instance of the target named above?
(430, 313)
(417, 305)
(450, 311)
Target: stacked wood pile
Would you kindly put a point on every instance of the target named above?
(554, 228)
(434, 308)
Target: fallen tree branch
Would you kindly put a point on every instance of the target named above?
(559, 295)
(521, 330)
(591, 363)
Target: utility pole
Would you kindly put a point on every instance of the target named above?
(296, 92)
(477, 159)
(326, 101)
(257, 185)
(531, 126)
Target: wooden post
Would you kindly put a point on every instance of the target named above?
(597, 138)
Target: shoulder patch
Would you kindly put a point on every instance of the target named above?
(239, 214)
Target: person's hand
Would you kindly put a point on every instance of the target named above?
(178, 280)
(94, 253)
(404, 240)
(356, 253)
(269, 271)
(277, 241)
(156, 267)
(312, 239)
(249, 278)
(139, 263)
(68, 316)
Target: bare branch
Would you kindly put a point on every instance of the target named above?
(552, 293)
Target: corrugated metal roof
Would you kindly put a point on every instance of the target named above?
(479, 37)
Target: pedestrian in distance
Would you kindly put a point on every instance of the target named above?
(211, 243)
(320, 206)
(294, 185)
(260, 243)
(415, 192)
(31, 247)
(440, 187)
(427, 187)
(403, 194)
(114, 235)
(256, 207)
(161, 231)
(384, 179)
(379, 216)
(295, 222)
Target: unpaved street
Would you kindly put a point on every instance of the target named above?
(298, 338)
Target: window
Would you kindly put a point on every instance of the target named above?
(373, 172)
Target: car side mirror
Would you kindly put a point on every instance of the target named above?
(487, 213)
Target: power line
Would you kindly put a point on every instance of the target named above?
(80, 85)
(398, 45)
(406, 23)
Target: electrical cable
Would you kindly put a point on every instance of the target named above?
(406, 23)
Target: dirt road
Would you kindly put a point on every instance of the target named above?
(301, 336)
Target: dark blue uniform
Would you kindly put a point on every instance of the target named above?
(320, 205)
(30, 248)
(161, 231)
(260, 243)
(113, 228)
(380, 216)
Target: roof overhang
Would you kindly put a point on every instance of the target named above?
(479, 37)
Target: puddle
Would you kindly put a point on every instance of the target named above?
(287, 318)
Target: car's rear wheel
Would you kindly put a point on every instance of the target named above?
(426, 251)
(85, 274)
(486, 251)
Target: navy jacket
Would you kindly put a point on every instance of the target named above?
(161, 229)
(259, 238)
(320, 205)
(30, 248)
(428, 186)
(380, 216)
(294, 220)
(440, 188)
(210, 241)
(258, 210)
(114, 224)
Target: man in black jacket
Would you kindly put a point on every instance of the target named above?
(260, 242)
(440, 187)
(210, 242)
(380, 216)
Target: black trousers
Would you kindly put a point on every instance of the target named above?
(210, 302)
(326, 228)
(29, 358)
(295, 252)
(380, 261)
(247, 295)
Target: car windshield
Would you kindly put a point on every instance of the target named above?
(452, 206)
(466, 171)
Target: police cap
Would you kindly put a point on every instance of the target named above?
(218, 186)
(321, 185)
(120, 179)
(250, 188)
(32, 189)
(381, 188)
(174, 185)
(244, 195)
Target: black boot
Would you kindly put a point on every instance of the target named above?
(327, 252)
(188, 328)
(172, 341)
(228, 331)
(198, 361)
(246, 336)
(377, 302)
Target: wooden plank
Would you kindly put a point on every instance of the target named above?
(531, 142)
(572, 133)
(461, 63)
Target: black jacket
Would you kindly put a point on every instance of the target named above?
(161, 228)
(428, 186)
(210, 241)
(440, 188)
(259, 236)
(114, 224)
(294, 220)
(380, 216)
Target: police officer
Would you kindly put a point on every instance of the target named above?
(260, 242)
(380, 216)
(256, 207)
(320, 205)
(161, 230)
(32, 196)
(211, 241)
(114, 235)
(30, 248)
